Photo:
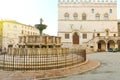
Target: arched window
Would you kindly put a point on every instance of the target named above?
(97, 16)
(83, 16)
(66, 15)
(92, 10)
(102, 0)
(75, 15)
(110, 11)
(106, 17)
(106, 0)
(98, 0)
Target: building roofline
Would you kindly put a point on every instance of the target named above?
(13, 21)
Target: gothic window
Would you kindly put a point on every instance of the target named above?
(66, 15)
(97, 16)
(106, 17)
(66, 36)
(83, 16)
(92, 10)
(106, 0)
(84, 36)
(110, 11)
(75, 15)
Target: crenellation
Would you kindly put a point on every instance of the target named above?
(75, 1)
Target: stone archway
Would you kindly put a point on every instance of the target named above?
(101, 45)
(111, 44)
(75, 38)
(118, 43)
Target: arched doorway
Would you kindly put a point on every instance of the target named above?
(118, 42)
(111, 44)
(75, 38)
(101, 45)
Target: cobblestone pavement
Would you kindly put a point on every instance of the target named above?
(109, 69)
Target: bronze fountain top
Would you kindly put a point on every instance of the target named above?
(41, 26)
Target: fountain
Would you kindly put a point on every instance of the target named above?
(41, 26)
(42, 54)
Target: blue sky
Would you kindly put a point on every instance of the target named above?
(30, 12)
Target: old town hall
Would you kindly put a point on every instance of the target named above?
(91, 24)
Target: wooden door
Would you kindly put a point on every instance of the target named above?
(75, 38)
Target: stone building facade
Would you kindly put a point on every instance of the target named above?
(11, 30)
(87, 22)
